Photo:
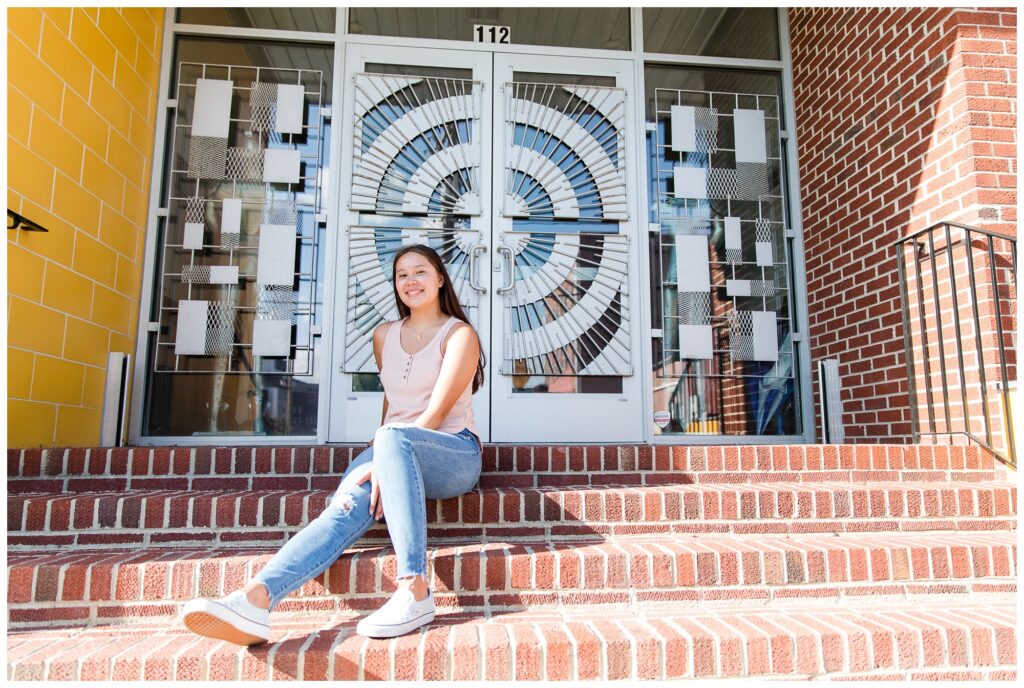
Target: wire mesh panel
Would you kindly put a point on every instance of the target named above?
(564, 152)
(240, 257)
(417, 145)
(371, 296)
(567, 308)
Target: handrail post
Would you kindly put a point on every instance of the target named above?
(907, 347)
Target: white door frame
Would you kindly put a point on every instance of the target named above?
(501, 415)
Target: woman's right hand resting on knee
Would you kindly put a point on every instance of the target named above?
(376, 503)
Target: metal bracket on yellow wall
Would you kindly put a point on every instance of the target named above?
(16, 221)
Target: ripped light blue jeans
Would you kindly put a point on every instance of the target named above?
(411, 465)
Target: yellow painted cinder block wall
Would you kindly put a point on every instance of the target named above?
(81, 111)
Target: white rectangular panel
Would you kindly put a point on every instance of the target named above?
(684, 128)
(223, 274)
(737, 287)
(692, 270)
(291, 101)
(271, 338)
(231, 216)
(766, 336)
(733, 233)
(193, 235)
(211, 113)
(690, 182)
(190, 333)
(749, 128)
(281, 166)
(276, 261)
(695, 341)
(765, 255)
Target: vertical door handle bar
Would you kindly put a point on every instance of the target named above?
(472, 267)
(510, 260)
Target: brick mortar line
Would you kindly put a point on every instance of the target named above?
(678, 528)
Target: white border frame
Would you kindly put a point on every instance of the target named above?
(340, 39)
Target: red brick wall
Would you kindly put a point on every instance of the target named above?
(905, 117)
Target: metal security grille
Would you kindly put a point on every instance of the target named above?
(567, 308)
(719, 265)
(417, 145)
(564, 152)
(239, 248)
(720, 212)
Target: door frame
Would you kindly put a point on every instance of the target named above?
(352, 413)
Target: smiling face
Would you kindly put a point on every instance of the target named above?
(416, 280)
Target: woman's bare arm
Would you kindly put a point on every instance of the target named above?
(378, 347)
(458, 367)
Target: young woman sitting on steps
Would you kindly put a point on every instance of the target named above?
(426, 448)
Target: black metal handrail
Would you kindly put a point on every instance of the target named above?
(18, 221)
(923, 243)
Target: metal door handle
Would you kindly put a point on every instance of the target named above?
(507, 251)
(472, 267)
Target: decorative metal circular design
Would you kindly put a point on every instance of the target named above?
(564, 152)
(568, 310)
(417, 145)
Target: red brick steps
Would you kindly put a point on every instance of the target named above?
(899, 641)
(305, 468)
(107, 586)
(241, 518)
(877, 561)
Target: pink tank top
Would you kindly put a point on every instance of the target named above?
(409, 380)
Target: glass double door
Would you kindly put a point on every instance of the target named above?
(521, 171)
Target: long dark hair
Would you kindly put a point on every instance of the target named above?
(446, 296)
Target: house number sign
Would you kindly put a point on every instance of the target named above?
(486, 33)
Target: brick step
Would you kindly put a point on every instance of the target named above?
(215, 517)
(266, 482)
(912, 640)
(36, 469)
(86, 587)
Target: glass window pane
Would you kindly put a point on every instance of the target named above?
(252, 363)
(605, 28)
(748, 32)
(724, 363)
(315, 19)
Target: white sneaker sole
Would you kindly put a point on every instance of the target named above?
(373, 630)
(211, 619)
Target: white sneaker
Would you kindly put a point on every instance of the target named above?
(399, 615)
(232, 618)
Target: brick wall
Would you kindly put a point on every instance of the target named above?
(905, 117)
(81, 103)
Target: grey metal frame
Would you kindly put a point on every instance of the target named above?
(339, 39)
